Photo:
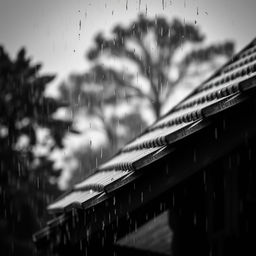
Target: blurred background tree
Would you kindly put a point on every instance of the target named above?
(28, 134)
(134, 72)
(157, 49)
(107, 120)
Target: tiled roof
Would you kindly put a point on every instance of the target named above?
(75, 199)
(226, 88)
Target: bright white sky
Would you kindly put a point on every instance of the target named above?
(49, 29)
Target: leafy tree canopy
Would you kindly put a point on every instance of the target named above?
(25, 189)
(138, 65)
(152, 46)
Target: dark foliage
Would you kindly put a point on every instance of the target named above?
(25, 189)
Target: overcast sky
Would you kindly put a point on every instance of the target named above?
(50, 30)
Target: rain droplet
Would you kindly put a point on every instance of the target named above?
(216, 133)
(194, 156)
(195, 219)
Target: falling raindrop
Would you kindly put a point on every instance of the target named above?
(129, 199)
(135, 226)
(195, 219)
(224, 124)
(249, 154)
(216, 133)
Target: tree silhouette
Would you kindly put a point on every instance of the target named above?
(25, 188)
(92, 97)
(151, 45)
(134, 66)
(95, 92)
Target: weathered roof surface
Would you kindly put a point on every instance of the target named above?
(226, 88)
